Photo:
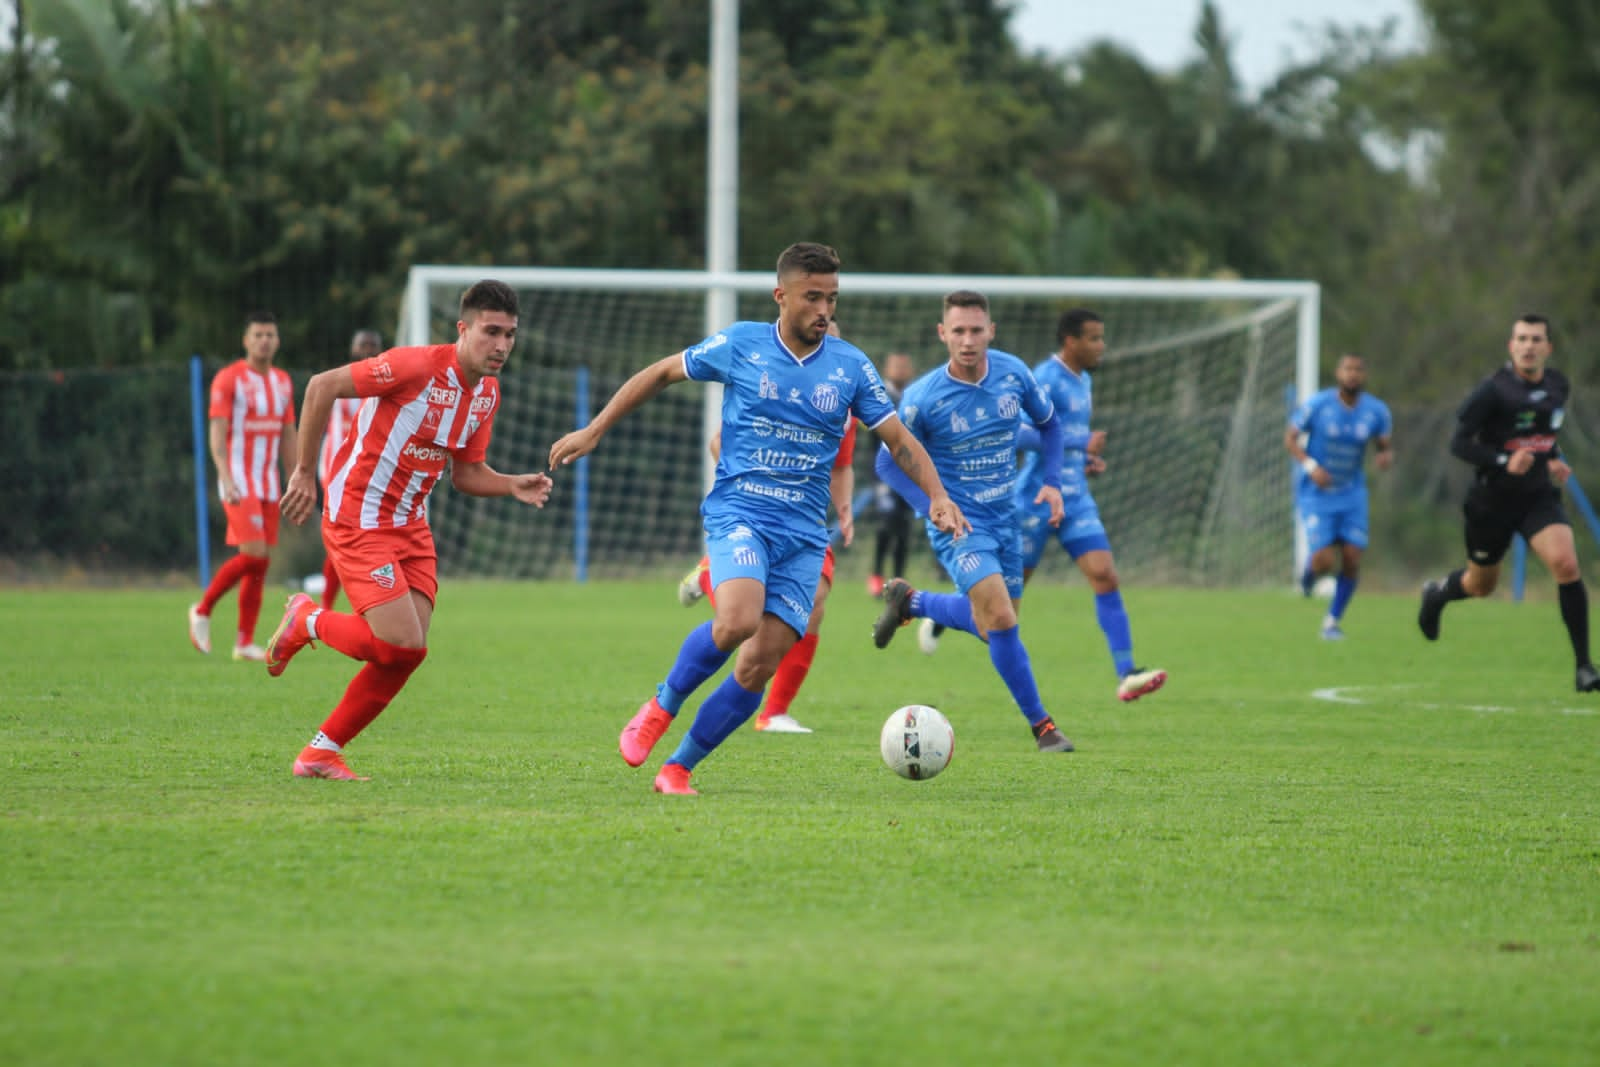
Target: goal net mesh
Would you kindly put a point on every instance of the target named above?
(1192, 395)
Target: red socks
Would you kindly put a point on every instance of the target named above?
(791, 674)
(226, 578)
(330, 584)
(369, 693)
(250, 589)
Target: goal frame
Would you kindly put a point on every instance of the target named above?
(721, 288)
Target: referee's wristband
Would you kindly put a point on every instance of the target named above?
(1310, 466)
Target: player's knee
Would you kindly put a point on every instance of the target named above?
(1565, 570)
(733, 631)
(391, 654)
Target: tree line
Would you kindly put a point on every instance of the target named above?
(167, 165)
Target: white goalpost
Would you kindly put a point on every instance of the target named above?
(1194, 394)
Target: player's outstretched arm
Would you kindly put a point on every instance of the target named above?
(634, 392)
(480, 479)
(300, 497)
(911, 457)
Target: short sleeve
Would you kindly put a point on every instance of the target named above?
(709, 361)
(392, 371)
(477, 447)
(1036, 400)
(222, 387)
(871, 404)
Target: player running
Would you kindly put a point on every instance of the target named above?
(790, 392)
(428, 407)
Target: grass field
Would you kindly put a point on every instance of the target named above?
(1235, 870)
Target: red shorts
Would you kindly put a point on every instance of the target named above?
(252, 520)
(377, 566)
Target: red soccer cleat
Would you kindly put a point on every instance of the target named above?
(643, 731)
(674, 779)
(321, 763)
(291, 635)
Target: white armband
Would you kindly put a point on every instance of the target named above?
(1310, 466)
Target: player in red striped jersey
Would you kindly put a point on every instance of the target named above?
(364, 344)
(425, 407)
(251, 411)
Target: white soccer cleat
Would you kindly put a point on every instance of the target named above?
(199, 629)
(927, 637)
(1139, 682)
(1331, 630)
(689, 591)
(251, 653)
(781, 724)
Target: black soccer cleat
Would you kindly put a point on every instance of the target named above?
(896, 611)
(1588, 679)
(1433, 603)
(1050, 738)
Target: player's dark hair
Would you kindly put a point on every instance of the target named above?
(489, 295)
(1071, 324)
(966, 298)
(1540, 320)
(367, 331)
(807, 257)
(265, 318)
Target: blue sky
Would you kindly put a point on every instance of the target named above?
(1266, 34)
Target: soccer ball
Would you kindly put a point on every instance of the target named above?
(917, 742)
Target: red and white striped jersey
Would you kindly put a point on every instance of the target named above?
(257, 406)
(422, 416)
(340, 419)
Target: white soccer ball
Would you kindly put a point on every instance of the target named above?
(917, 742)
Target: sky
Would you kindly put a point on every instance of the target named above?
(1266, 34)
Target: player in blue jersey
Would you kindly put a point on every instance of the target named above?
(1080, 346)
(1328, 437)
(967, 413)
(790, 391)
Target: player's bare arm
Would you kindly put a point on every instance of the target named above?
(841, 487)
(300, 497)
(634, 392)
(1313, 469)
(1049, 494)
(480, 479)
(1097, 443)
(911, 457)
(217, 438)
(1383, 457)
(1560, 470)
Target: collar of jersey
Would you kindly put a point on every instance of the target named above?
(777, 335)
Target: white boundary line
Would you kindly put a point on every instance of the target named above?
(1345, 694)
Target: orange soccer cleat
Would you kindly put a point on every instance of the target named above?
(291, 635)
(321, 763)
(674, 779)
(643, 731)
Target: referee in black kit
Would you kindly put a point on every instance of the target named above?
(1507, 428)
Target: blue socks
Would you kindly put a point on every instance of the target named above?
(950, 610)
(1010, 659)
(1343, 590)
(698, 659)
(1113, 619)
(728, 707)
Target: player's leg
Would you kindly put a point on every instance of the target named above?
(244, 532)
(738, 572)
(995, 595)
(792, 580)
(1348, 526)
(796, 664)
(330, 583)
(263, 518)
(1487, 528)
(1553, 543)
(902, 602)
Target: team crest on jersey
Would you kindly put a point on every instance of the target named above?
(825, 398)
(430, 418)
(384, 576)
(1009, 406)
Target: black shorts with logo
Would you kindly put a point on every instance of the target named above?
(1492, 517)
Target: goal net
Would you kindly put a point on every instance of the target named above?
(1193, 393)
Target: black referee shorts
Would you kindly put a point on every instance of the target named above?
(1492, 517)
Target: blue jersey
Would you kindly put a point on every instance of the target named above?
(1337, 436)
(970, 432)
(1072, 393)
(782, 420)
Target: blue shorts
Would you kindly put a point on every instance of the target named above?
(787, 565)
(1080, 531)
(1327, 521)
(978, 555)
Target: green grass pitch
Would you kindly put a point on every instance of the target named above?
(1380, 851)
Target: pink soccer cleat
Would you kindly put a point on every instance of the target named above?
(643, 731)
(291, 635)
